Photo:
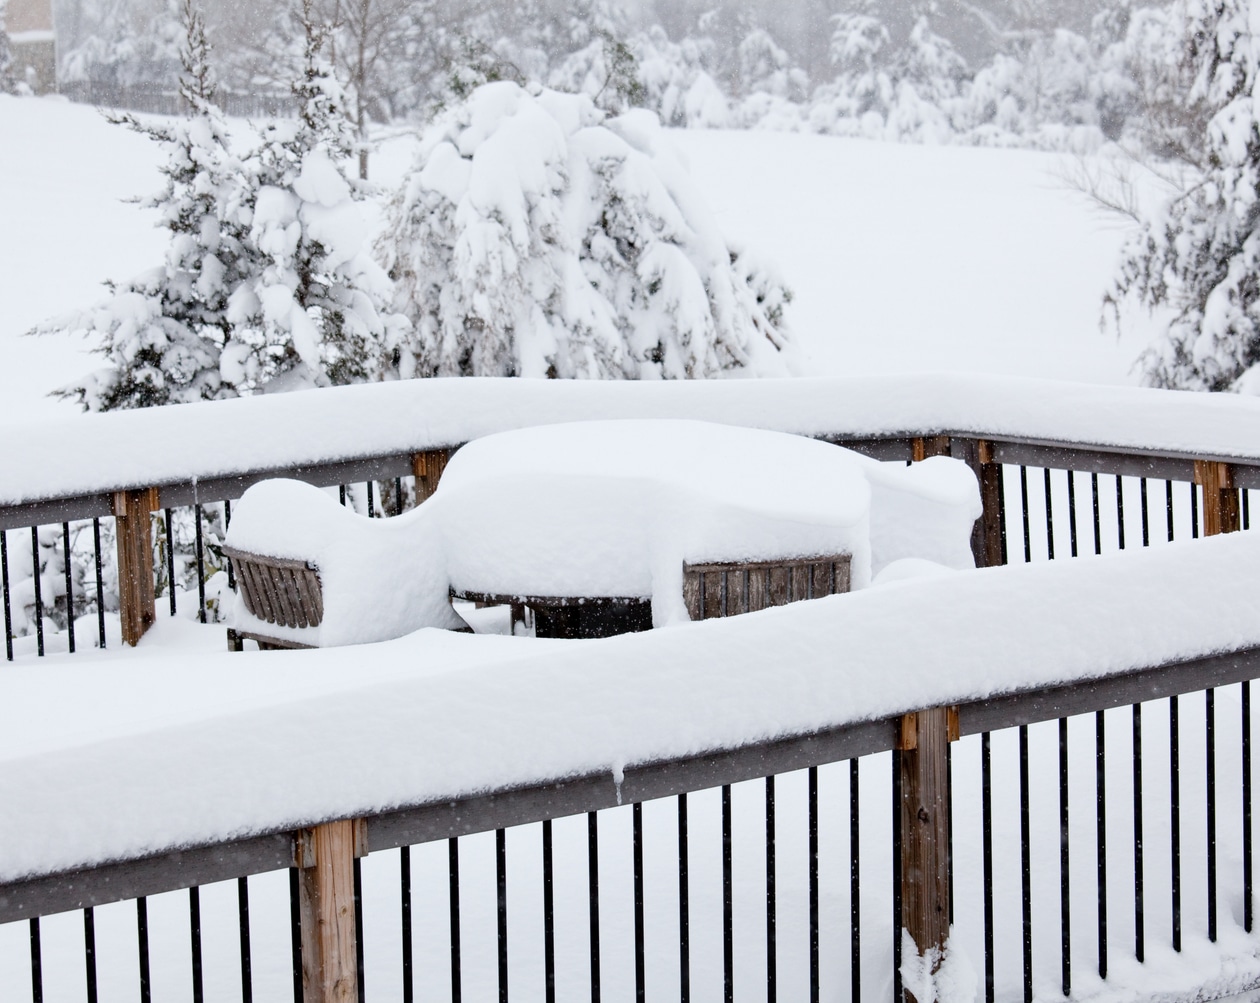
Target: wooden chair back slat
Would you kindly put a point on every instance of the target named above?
(278, 590)
(717, 589)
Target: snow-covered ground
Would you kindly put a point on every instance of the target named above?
(902, 257)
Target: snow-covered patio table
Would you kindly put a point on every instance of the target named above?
(605, 512)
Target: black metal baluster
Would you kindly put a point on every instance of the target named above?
(404, 894)
(500, 873)
(452, 847)
(1168, 508)
(398, 495)
(1146, 522)
(39, 597)
(342, 490)
(1120, 511)
(89, 952)
(201, 567)
(1246, 508)
(812, 798)
(142, 942)
(371, 501)
(1174, 791)
(37, 964)
(1071, 479)
(1093, 490)
(1002, 512)
(1065, 882)
(640, 976)
(684, 906)
(986, 842)
(100, 582)
(1209, 699)
(1246, 802)
(295, 933)
(1139, 872)
(194, 930)
(69, 569)
(855, 899)
(4, 583)
(897, 924)
(227, 524)
(772, 959)
(1100, 811)
(1023, 497)
(1049, 517)
(949, 829)
(728, 901)
(1025, 839)
(1194, 511)
(358, 927)
(549, 915)
(170, 558)
(247, 965)
(592, 860)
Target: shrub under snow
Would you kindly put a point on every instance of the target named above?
(536, 236)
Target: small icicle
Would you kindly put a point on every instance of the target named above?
(619, 778)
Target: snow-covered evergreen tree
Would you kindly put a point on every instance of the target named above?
(7, 84)
(312, 312)
(127, 44)
(886, 87)
(163, 331)
(604, 64)
(677, 77)
(536, 236)
(1044, 92)
(1199, 258)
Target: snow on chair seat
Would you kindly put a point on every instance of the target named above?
(353, 580)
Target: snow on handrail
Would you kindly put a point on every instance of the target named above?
(85, 455)
(437, 718)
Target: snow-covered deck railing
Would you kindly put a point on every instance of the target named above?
(198, 455)
(444, 735)
(69, 469)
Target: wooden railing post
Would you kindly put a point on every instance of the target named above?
(136, 604)
(325, 859)
(924, 446)
(923, 744)
(1220, 499)
(986, 534)
(427, 467)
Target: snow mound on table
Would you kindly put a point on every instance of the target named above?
(614, 508)
(381, 578)
(605, 509)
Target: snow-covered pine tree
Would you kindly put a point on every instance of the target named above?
(677, 79)
(8, 85)
(126, 44)
(162, 332)
(536, 236)
(1043, 90)
(313, 313)
(863, 89)
(886, 86)
(1199, 257)
(602, 64)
